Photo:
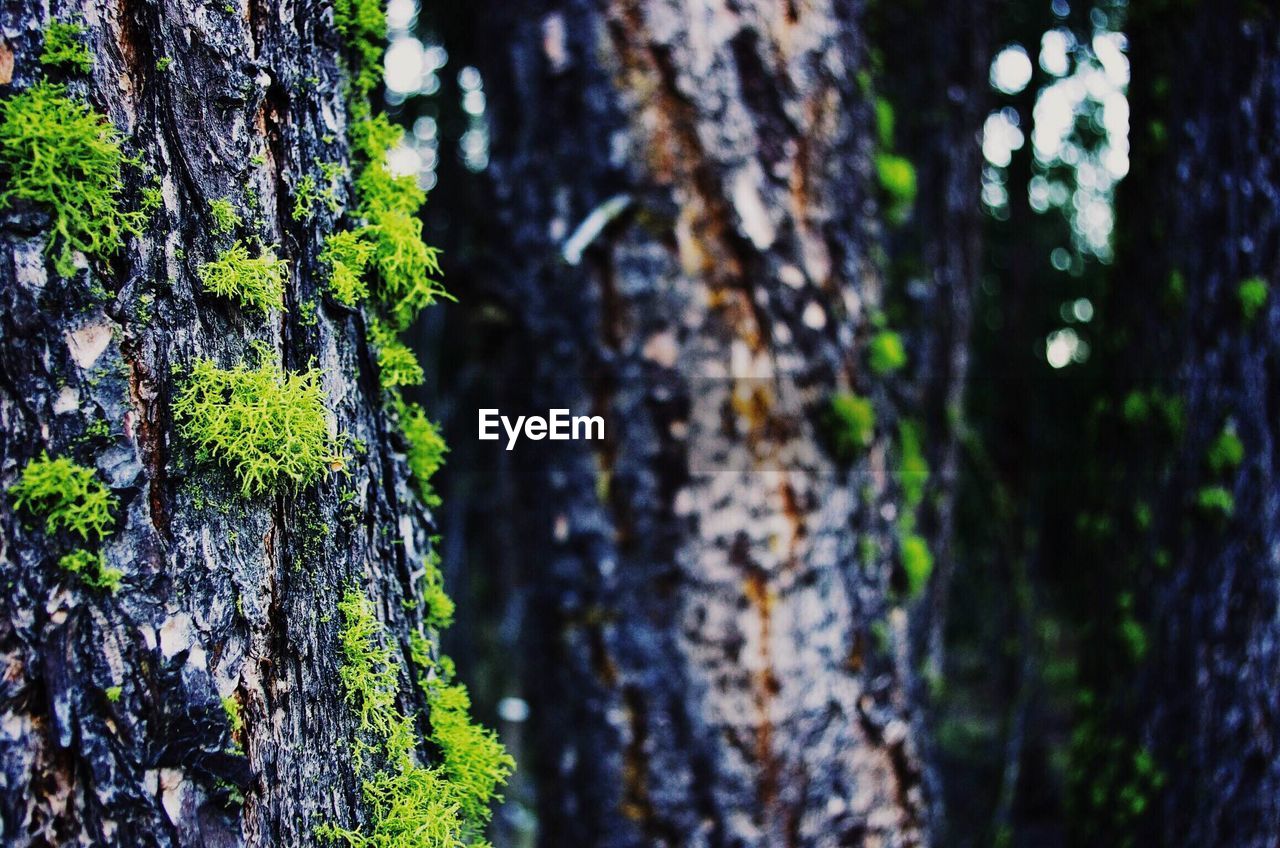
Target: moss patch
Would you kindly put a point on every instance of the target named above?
(1252, 294)
(67, 496)
(413, 805)
(60, 154)
(270, 427)
(254, 282)
(886, 353)
(224, 214)
(852, 422)
(65, 45)
(426, 447)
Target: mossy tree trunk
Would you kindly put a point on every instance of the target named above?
(685, 237)
(200, 704)
(1207, 99)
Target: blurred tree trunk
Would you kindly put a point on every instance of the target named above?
(1211, 86)
(685, 237)
(115, 730)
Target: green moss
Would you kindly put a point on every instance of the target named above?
(268, 426)
(1177, 289)
(231, 707)
(852, 422)
(917, 563)
(225, 216)
(1136, 408)
(884, 123)
(412, 805)
(408, 808)
(1227, 451)
(369, 672)
(347, 254)
(60, 154)
(64, 44)
(1216, 501)
(886, 352)
(897, 177)
(68, 496)
(1133, 637)
(407, 269)
(113, 693)
(163, 63)
(257, 283)
(438, 607)
(1253, 296)
(474, 759)
(309, 313)
(426, 447)
(92, 568)
(397, 365)
(365, 28)
(310, 193)
(913, 469)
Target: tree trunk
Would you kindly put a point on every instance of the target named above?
(115, 729)
(684, 237)
(1213, 718)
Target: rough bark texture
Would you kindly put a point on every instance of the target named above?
(935, 77)
(1215, 720)
(223, 597)
(717, 656)
(940, 104)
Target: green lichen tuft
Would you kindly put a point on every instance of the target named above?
(852, 421)
(255, 282)
(426, 447)
(347, 254)
(884, 123)
(397, 365)
(60, 154)
(365, 27)
(92, 568)
(897, 177)
(1227, 451)
(1216, 501)
(474, 759)
(438, 607)
(64, 44)
(408, 808)
(268, 426)
(412, 805)
(231, 707)
(113, 693)
(917, 563)
(886, 352)
(913, 469)
(309, 193)
(369, 672)
(68, 496)
(224, 214)
(407, 268)
(1253, 296)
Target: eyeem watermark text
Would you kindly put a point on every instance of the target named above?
(558, 426)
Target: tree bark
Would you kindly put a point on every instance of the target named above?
(1213, 715)
(716, 633)
(114, 733)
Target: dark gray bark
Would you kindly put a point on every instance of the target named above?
(222, 597)
(1213, 715)
(716, 653)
